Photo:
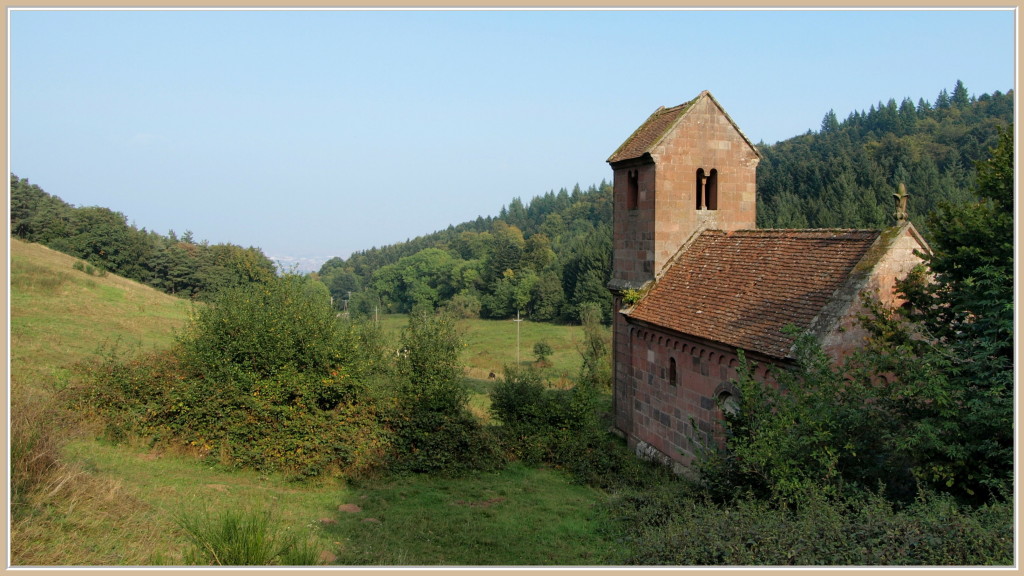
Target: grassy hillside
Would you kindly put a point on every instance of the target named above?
(61, 315)
(85, 502)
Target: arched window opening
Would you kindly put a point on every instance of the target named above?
(632, 189)
(711, 190)
(673, 373)
(729, 404)
(700, 188)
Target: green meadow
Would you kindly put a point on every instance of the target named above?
(79, 500)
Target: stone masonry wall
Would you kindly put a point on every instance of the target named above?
(633, 228)
(704, 138)
(677, 419)
(898, 261)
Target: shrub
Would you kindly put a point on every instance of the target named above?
(670, 526)
(519, 399)
(564, 428)
(542, 350)
(301, 409)
(434, 431)
(256, 331)
(89, 269)
(596, 370)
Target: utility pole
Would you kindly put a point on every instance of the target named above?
(518, 321)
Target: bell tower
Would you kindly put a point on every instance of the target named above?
(685, 169)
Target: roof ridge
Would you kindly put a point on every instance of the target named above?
(831, 229)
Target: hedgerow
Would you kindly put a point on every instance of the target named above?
(673, 526)
(265, 378)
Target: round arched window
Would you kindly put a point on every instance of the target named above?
(728, 403)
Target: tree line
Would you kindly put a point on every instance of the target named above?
(102, 237)
(844, 175)
(549, 259)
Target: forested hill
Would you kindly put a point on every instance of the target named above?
(845, 174)
(103, 238)
(550, 258)
(547, 259)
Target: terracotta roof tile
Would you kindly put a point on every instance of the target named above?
(742, 288)
(650, 132)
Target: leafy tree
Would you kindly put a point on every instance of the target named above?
(538, 254)
(927, 404)
(472, 245)
(962, 320)
(542, 350)
(465, 304)
(510, 295)
(425, 279)
(506, 251)
(546, 298)
(434, 430)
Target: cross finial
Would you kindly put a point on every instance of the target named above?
(901, 204)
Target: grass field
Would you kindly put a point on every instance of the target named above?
(492, 345)
(95, 503)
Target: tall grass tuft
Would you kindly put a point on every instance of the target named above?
(36, 439)
(246, 538)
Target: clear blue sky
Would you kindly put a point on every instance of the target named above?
(312, 134)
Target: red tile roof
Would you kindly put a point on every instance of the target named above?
(742, 288)
(650, 132)
(657, 125)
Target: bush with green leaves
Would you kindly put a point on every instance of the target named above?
(432, 427)
(263, 378)
(542, 351)
(257, 331)
(844, 429)
(567, 429)
(673, 524)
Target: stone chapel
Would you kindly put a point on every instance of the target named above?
(694, 280)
